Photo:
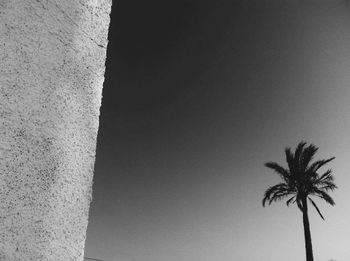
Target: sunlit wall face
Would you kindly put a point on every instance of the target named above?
(199, 94)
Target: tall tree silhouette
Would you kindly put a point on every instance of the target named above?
(300, 181)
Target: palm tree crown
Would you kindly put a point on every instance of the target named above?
(301, 179)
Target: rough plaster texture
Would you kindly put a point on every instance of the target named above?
(51, 75)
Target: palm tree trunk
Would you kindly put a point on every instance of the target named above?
(307, 233)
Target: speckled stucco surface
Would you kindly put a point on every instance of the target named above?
(51, 75)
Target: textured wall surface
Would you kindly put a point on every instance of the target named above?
(51, 75)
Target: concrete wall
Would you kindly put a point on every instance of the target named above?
(51, 74)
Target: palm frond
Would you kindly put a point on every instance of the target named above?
(279, 196)
(308, 154)
(298, 152)
(275, 193)
(290, 160)
(328, 186)
(314, 204)
(324, 195)
(284, 173)
(325, 181)
(327, 176)
(318, 164)
(289, 201)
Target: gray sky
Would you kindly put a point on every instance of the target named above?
(198, 95)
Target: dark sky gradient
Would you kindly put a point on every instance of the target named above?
(198, 95)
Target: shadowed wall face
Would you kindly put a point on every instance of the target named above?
(52, 71)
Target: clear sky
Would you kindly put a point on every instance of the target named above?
(198, 96)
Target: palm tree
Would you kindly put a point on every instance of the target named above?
(300, 181)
